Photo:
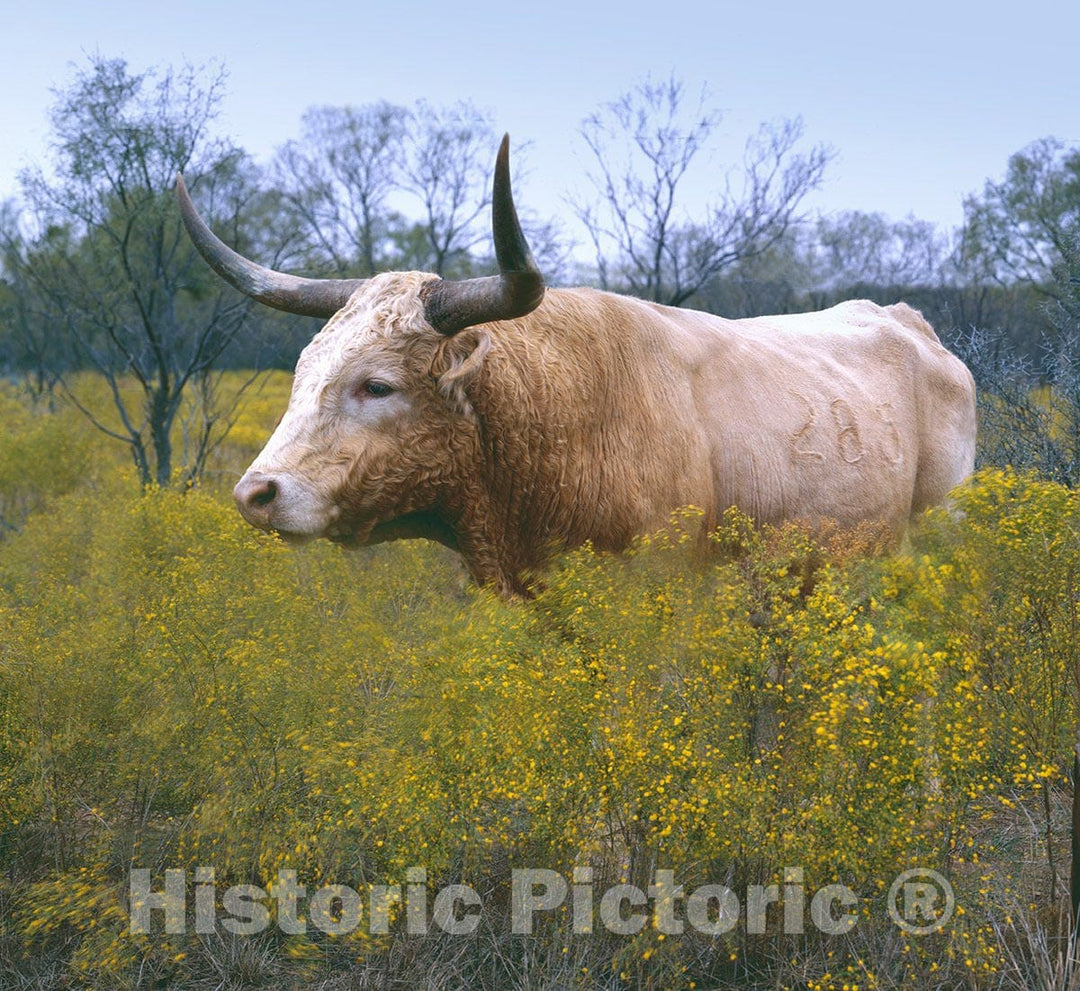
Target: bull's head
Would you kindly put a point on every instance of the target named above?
(378, 424)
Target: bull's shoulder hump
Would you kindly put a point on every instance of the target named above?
(913, 320)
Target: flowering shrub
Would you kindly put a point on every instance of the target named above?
(181, 692)
(42, 454)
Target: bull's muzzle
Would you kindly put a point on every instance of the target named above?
(255, 495)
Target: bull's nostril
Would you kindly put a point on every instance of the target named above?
(264, 494)
(257, 497)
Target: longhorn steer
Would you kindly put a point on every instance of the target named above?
(507, 422)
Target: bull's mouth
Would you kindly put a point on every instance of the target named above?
(293, 538)
(345, 538)
(421, 524)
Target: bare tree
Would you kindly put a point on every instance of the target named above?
(338, 177)
(644, 145)
(448, 168)
(381, 186)
(110, 271)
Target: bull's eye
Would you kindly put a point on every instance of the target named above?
(375, 388)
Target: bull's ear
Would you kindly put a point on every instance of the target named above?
(459, 359)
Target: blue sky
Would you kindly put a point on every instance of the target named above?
(922, 101)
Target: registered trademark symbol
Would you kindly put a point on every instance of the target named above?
(921, 901)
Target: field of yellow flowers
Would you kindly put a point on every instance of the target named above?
(664, 772)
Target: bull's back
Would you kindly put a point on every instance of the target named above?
(853, 413)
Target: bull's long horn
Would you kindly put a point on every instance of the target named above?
(311, 297)
(452, 306)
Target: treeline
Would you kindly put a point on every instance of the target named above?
(96, 273)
